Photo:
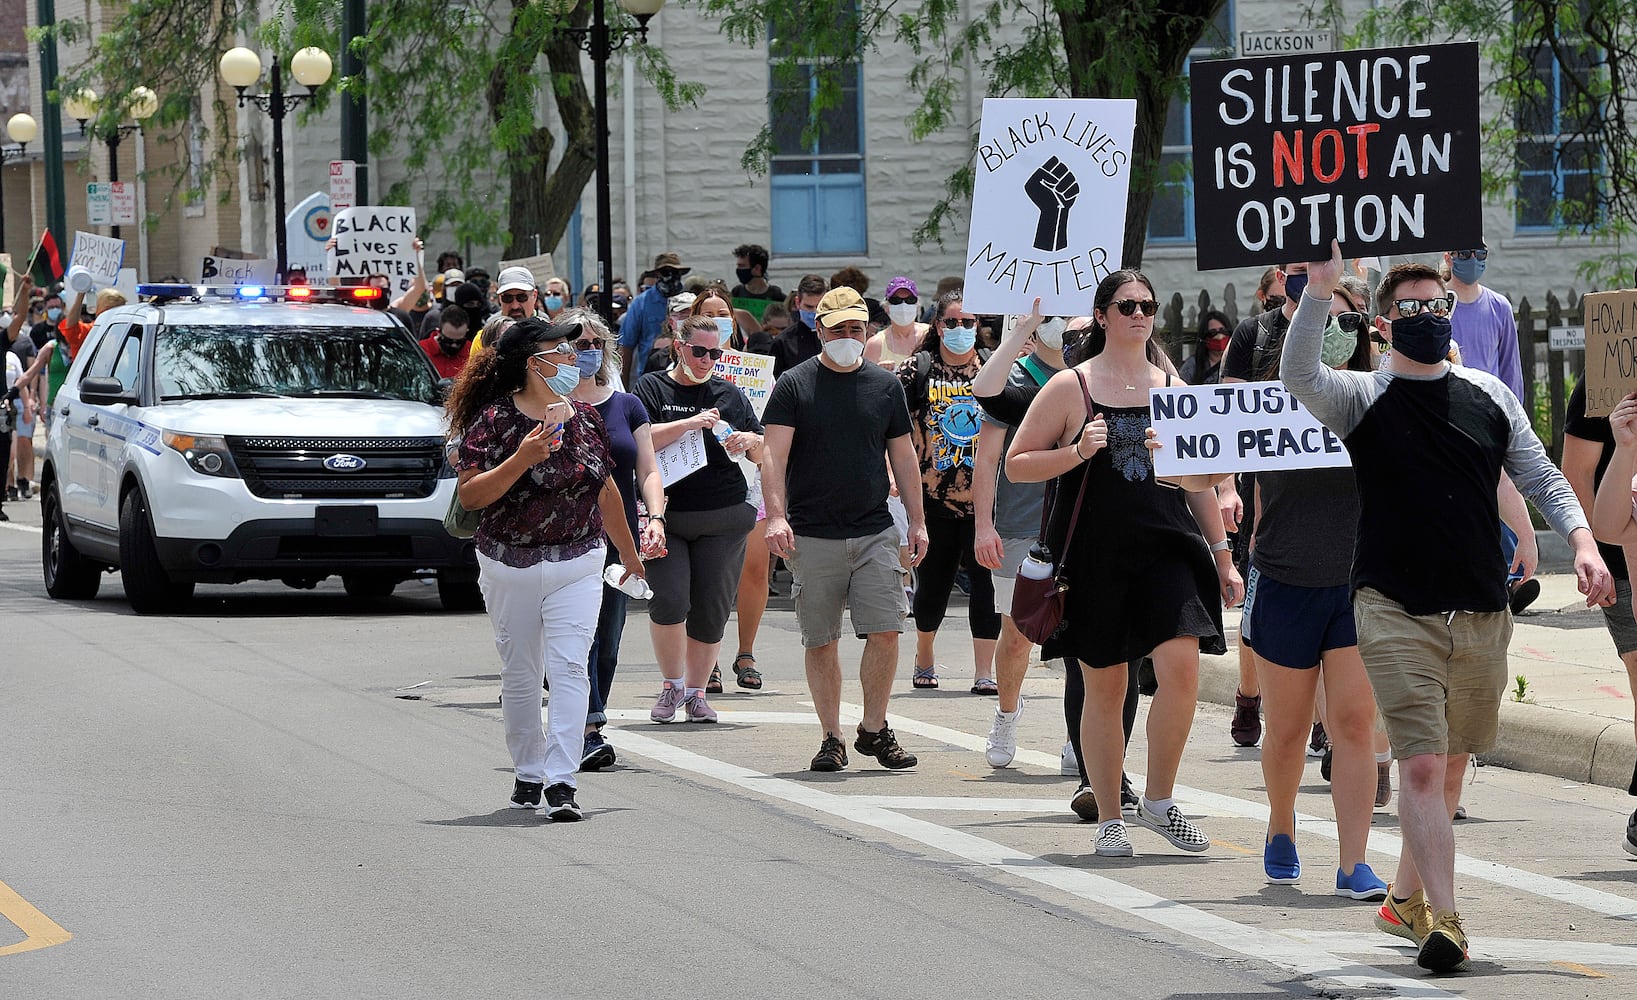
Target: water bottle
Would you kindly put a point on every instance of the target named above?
(635, 587)
(1038, 566)
(721, 429)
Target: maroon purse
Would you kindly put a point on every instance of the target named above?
(1037, 605)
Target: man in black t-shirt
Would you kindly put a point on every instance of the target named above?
(829, 421)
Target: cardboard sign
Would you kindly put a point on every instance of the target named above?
(1376, 148)
(230, 271)
(1239, 427)
(1611, 349)
(101, 255)
(343, 184)
(539, 265)
(682, 457)
(375, 240)
(1048, 202)
(752, 373)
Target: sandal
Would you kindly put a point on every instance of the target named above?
(714, 685)
(926, 678)
(749, 677)
(985, 685)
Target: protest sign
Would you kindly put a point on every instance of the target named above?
(1048, 202)
(375, 239)
(1376, 148)
(1239, 427)
(102, 256)
(682, 457)
(6, 279)
(231, 271)
(539, 265)
(752, 373)
(1611, 349)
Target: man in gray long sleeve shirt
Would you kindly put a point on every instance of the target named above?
(1428, 442)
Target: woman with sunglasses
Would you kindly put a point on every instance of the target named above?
(1301, 632)
(706, 517)
(944, 429)
(1149, 567)
(901, 337)
(539, 467)
(636, 472)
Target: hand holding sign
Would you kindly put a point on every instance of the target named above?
(1052, 188)
(1623, 422)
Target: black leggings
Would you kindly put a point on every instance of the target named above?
(1074, 702)
(950, 542)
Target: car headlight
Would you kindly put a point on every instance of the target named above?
(206, 453)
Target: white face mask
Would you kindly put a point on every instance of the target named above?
(845, 352)
(1050, 332)
(903, 313)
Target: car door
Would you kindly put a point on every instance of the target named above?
(117, 427)
(88, 482)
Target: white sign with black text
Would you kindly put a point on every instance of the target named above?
(102, 256)
(1239, 427)
(682, 457)
(375, 239)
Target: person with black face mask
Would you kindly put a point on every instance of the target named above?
(645, 319)
(753, 293)
(1428, 442)
(451, 346)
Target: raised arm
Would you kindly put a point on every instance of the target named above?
(991, 379)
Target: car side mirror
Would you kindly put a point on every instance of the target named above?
(105, 392)
(445, 387)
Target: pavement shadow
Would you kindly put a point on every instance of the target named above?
(1092, 861)
(1612, 875)
(833, 777)
(1316, 896)
(502, 817)
(1007, 776)
(477, 677)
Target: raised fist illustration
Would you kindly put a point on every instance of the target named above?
(1053, 189)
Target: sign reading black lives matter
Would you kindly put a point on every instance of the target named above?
(1048, 203)
(1376, 148)
(375, 239)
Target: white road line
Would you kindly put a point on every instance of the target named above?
(1298, 957)
(1492, 949)
(14, 526)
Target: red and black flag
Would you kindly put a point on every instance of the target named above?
(45, 264)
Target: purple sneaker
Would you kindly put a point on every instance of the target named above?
(670, 699)
(698, 709)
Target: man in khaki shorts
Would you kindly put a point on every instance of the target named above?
(829, 421)
(1428, 442)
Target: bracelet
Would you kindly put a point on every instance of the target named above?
(657, 517)
(1221, 546)
(1076, 447)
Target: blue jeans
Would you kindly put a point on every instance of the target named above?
(1509, 548)
(605, 647)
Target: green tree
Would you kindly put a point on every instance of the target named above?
(1024, 48)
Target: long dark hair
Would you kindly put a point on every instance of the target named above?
(1202, 354)
(934, 339)
(1358, 362)
(1096, 336)
(495, 372)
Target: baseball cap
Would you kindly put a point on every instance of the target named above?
(840, 305)
(515, 279)
(681, 301)
(454, 276)
(900, 284)
(670, 259)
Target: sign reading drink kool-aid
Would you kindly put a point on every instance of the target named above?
(1376, 148)
(1048, 203)
(1239, 427)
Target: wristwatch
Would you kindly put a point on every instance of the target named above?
(1221, 546)
(657, 517)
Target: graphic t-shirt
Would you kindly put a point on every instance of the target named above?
(945, 432)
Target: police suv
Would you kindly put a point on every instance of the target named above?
(215, 435)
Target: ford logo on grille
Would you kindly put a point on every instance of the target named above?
(344, 463)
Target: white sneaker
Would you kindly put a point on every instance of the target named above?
(1173, 826)
(1112, 841)
(1001, 746)
(1070, 767)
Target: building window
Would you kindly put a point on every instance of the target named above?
(1171, 216)
(1558, 165)
(818, 205)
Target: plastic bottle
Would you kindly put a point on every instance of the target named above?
(635, 587)
(1038, 566)
(721, 429)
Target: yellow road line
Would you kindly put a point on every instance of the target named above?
(39, 930)
(1230, 845)
(1582, 969)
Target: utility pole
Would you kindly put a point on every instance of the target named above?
(354, 105)
(56, 203)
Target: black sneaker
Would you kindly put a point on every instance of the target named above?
(1325, 761)
(526, 794)
(560, 804)
(832, 755)
(1631, 834)
(597, 754)
(1128, 797)
(11, 494)
(883, 746)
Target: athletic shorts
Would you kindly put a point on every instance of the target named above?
(1294, 626)
(861, 574)
(1622, 627)
(1005, 578)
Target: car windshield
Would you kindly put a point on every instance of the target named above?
(220, 361)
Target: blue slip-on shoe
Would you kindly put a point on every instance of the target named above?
(1280, 862)
(1362, 884)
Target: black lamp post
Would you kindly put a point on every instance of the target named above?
(141, 105)
(240, 67)
(21, 129)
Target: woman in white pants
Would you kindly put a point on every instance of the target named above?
(538, 464)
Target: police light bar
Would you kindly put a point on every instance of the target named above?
(261, 293)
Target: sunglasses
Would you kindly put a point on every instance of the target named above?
(1440, 306)
(953, 321)
(1350, 322)
(594, 344)
(510, 298)
(714, 353)
(564, 349)
(1129, 307)
(1471, 255)
(902, 300)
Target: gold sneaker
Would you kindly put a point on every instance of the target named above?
(1409, 919)
(1444, 949)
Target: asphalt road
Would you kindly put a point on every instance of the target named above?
(291, 794)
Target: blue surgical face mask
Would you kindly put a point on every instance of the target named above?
(961, 339)
(1467, 272)
(724, 326)
(590, 362)
(1294, 284)
(554, 303)
(54, 314)
(564, 381)
(809, 317)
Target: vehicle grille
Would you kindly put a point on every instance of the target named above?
(293, 468)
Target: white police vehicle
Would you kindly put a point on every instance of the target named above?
(221, 435)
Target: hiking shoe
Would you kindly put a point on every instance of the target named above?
(1001, 746)
(1246, 727)
(1084, 804)
(670, 699)
(1409, 919)
(1362, 884)
(698, 709)
(1523, 595)
(1631, 834)
(596, 754)
(1070, 766)
(883, 746)
(1384, 783)
(560, 804)
(526, 794)
(1112, 841)
(1280, 862)
(1318, 741)
(1444, 948)
(1173, 826)
(832, 755)
(1128, 798)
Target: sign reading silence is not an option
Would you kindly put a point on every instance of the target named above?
(1375, 148)
(1048, 202)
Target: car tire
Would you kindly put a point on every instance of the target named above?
(69, 576)
(148, 588)
(457, 594)
(368, 586)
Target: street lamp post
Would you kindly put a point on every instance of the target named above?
(599, 42)
(141, 105)
(21, 128)
(240, 67)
